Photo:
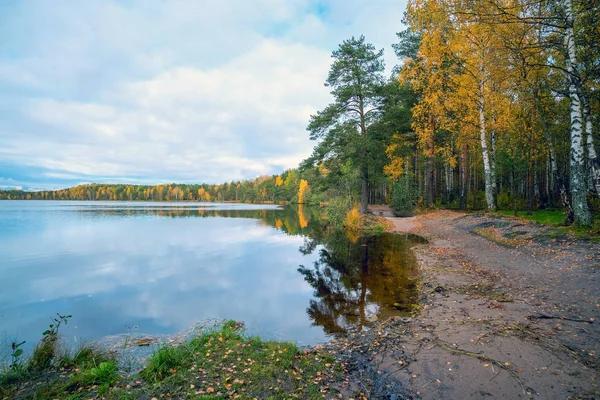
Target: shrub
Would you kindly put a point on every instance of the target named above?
(353, 219)
(337, 208)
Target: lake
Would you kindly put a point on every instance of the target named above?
(159, 268)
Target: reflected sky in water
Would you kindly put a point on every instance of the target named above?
(161, 267)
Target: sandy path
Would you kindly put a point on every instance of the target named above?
(517, 319)
(405, 225)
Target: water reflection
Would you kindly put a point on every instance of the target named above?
(162, 266)
(359, 280)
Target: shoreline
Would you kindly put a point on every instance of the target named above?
(508, 309)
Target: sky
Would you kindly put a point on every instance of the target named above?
(157, 91)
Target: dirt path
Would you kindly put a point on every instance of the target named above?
(508, 310)
(504, 317)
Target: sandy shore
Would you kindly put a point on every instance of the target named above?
(508, 310)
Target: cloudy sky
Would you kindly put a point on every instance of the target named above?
(153, 91)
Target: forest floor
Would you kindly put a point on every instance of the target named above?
(509, 309)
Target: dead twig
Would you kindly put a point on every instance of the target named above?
(546, 316)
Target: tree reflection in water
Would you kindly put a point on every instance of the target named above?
(359, 280)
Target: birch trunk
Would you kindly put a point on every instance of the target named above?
(578, 181)
(593, 161)
(490, 196)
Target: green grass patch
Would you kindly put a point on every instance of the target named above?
(220, 363)
(556, 219)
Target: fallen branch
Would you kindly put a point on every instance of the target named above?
(545, 316)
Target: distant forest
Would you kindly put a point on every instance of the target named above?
(495, 105)
(268, 189)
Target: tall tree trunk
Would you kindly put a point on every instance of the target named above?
(593, 161)
(364, 192)
(463, 177)
(364, 169)
(364, 263)
(490, 196)
(431, 163)
(558, 178)
(530, 177)
(578, 182)
(493, 166)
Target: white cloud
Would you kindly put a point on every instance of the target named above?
(178, 91)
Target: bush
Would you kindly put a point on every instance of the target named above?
(337, 208)
(353, 219)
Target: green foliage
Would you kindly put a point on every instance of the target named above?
(86, 357)
(404, 197)
(46, 351)
(16, 353)
(165, 360)
(343, 128)
(506, 201)
(105, 373)
(337, 208)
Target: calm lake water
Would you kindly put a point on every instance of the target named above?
(159, 268)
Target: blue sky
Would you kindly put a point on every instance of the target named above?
(154, 91)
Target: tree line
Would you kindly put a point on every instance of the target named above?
(494, 104)
(286, 187)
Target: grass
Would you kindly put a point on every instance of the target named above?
(48, 373)
(556, 219)
(221, 363)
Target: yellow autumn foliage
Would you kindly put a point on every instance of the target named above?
(302, 191)
(353, 219)
(301, 217)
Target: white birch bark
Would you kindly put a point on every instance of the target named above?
(490, 196)
(578, 182)
(593, 162)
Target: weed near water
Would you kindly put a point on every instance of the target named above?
(219, 363)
